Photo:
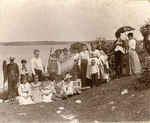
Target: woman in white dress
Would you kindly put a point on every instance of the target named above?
(133, 66)
(48, 89)
(93, 54)
(104, 70)
(68, 88)
(24, 91)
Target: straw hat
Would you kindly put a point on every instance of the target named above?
(46, 75)
(12, 57)
(68, 76)
(36, 50)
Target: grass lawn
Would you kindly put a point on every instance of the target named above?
(104, 103)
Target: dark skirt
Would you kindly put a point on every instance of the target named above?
(83, 72)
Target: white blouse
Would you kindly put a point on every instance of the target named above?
(36, 63)
(132, 44)
(84, 54)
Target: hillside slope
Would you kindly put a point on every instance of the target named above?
(104, 103)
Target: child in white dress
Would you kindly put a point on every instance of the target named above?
(48, 89)
(76, 84)
(36, 90)
(59, 87)
(68, 88)
(24, 91)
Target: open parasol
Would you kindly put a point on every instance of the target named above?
(124, 29)
(76, 46)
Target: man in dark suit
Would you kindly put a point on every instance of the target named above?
(13, 78)
(119, 51)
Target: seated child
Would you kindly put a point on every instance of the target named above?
(59, 87)
(36, 90)
(94, 72)
(76, 84)
(68, 88)
(24, 91)
(48, 89)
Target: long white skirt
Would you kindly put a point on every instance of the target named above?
(47, 98)
(25, 101)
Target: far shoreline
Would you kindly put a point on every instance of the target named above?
(29, 43)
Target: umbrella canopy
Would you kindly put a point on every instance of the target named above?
(124, 29)
(76, 46)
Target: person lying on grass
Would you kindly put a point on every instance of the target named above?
(24, 90)
(68, 88)
(48, 89)
(36, 90)
(76, 84)
(59, 87)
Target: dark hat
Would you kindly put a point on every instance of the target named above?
(23, 61)
(65, 49)
(148, 25)
(36, 50)
(58, 50)
(130, 34)
(23, 77)
(54, 54)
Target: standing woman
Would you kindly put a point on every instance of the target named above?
(93, 54)
(58, 53)
(83, 65)
(133, 62)
(104, 70)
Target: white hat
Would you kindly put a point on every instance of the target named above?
(68, 76)
(12, 57)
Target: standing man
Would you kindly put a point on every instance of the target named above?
(119, 49)
(13, 78)
(36, 65)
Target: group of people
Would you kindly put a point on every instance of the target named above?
(125, 52)
(47, 90)
(90, 68)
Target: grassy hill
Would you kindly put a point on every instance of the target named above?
(104, 103)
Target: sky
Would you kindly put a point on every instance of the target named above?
(69, 20)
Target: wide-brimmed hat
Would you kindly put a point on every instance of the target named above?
(12, 57)
(23, 61)
(68, 76)
(36, 50)
(148, 25)
(46, 75)
(58, 50)
(65, 49)
(75, 73)
(130, 34)
(54, 54)
(58, 76)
